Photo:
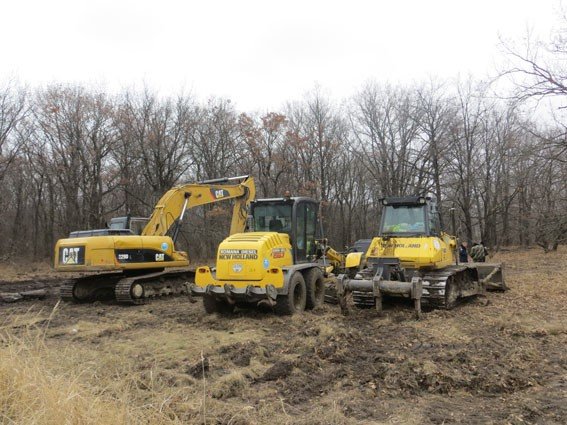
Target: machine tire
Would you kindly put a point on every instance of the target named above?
(315, 288)
(212, 305)
(294, 301)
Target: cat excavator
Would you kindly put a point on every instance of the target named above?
(413, 257)
(138, 266)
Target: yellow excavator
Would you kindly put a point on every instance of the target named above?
(138, 266)
(413, 257)
(282, 261)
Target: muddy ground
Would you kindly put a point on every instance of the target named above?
(499, 359)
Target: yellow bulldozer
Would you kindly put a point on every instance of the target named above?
(413, 257)
(281, 261)
(138, 255)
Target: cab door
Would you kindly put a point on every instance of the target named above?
(305, 230)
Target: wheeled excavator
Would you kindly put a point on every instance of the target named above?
(281, 261)
(139, 266)
(413, 257)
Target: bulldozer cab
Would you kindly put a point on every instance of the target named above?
(409, 216)
(298, 217)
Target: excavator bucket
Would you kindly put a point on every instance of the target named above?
(491, 274)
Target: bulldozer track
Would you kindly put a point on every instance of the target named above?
(443, 289)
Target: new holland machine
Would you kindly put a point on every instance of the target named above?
(282, 261)
(141, 265)
(413, 257)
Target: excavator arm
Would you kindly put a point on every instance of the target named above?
(169, 211)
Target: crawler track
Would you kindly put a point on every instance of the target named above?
(443, 289)
(126, 289)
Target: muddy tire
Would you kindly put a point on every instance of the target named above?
(294, 301)
(212, 305)
(315, 287)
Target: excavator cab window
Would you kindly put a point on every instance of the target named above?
(272, 218)
(134, 224)
(305, 230)
(137, 225)
(118, 223)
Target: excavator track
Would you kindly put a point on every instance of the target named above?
(66, 291)
(89, 288)
(132, 290)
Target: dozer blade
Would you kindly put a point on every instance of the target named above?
(491, 274)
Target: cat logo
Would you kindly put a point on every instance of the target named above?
(219, 193)
(71, 255)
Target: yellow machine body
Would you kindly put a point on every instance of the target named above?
(414, 258)
(421, 252)
(155, 247)
(117, 253)
(255, 258)
(279, 262)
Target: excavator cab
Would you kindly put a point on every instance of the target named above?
(297, 217)
(134, 224)
(278, 262)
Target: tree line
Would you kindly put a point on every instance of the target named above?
(72, 157)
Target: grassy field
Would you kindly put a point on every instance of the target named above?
(499, 359)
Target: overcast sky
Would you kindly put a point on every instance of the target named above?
(258, 53)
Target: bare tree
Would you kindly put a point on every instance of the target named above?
(317, 133)
(268, 149)
(215, 140)
(386, 124)
(158, 134)
(13, 109)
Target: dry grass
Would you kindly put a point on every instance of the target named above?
(14, 271)
(43, 385)
(30, 393)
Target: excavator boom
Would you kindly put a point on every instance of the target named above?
(170, 209)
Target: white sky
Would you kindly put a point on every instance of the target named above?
(258, 53)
